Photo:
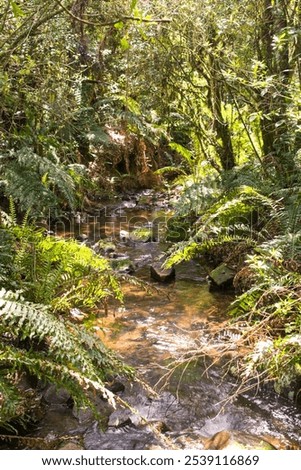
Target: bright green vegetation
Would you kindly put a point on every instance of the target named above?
(43, 279)
(101, 97)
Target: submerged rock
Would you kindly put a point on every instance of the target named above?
(221, 277)
(122, 264)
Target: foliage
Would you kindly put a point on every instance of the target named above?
(57, 272)
(34, 182)
(41, 277)
(34, 340)
(238, 215)
(267, 221)
(205, 91)
(273, 305)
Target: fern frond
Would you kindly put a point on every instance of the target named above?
(54, 271)
(10, 399)
(34, 181)
(238, 205)
(185, 251)
(64, 356)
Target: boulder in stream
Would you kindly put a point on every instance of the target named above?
(162, 275)
(221, 277)
(122, 264)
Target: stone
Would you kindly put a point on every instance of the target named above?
(221, 277)
(122, 264)
(124, 235)
(236, 440)
(54, 396)
(162, 275)
(77, 315)
(71, 446)
(104, 247)
(82, 237)
(115, 386)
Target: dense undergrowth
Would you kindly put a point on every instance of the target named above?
(43, 279)
(255, 230)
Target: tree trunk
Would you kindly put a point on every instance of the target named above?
(216, 94)
(274, 100)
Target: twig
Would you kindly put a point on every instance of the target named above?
(113, 22)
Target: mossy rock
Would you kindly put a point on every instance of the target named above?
(104, 247)
(123, 265)
(221, 277)
(142, 234)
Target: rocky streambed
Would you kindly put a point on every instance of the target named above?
(194, 406)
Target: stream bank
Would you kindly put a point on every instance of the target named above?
(149, 331)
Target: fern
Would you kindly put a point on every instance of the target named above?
(67, 356)
(241, 215)
(54, 275)
(196, 197)
(240, 204)
(53, 271)
(35, 182)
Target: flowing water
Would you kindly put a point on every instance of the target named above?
(150, 331)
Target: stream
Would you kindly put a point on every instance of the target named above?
(151, 330)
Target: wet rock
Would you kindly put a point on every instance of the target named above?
(82, 237)
(149, 411)
(93, 437)
(115, 386)
(58, 421)
(84, 416)
(146, 198)
(54, 396)
(71, 446)
(104, 247)
(236, 440)
(127, 437)
(162, 275)
(122, 264)
(221, 277)
(129, 204)
(77, 315)
(124, 236)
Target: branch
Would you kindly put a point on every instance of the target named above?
(29, 31)
(112, 23)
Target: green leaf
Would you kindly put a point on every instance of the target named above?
(124, 43)
(119, 25)
(133, 4)
(17, 11)
(184, 152)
